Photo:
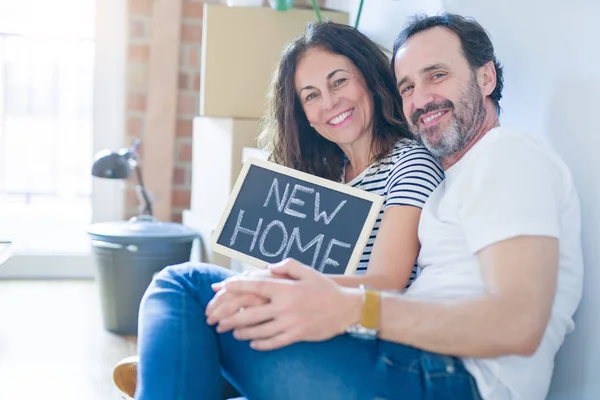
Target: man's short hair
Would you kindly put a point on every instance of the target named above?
(475, 41)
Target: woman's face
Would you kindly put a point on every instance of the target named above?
(334, 97)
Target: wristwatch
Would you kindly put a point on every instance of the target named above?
(368, 326)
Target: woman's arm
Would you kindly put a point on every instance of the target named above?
(394, 252)
(413, 177)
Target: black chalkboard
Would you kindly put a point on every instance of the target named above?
(276, 212)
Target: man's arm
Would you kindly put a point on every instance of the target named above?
(520, 275)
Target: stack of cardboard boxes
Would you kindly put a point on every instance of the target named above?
(240, 49)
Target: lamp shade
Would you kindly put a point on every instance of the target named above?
(111, 165)
(118, 165)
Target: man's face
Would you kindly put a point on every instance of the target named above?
(441, 97)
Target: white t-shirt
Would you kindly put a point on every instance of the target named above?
(507, 185)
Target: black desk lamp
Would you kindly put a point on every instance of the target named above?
(118, 165)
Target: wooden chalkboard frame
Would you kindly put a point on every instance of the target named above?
(375, 200)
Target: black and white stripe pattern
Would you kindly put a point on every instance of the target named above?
(406, 178)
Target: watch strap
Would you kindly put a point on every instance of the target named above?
(371, 309)
(368, 326)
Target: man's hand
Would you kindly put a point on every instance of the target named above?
(308, 306)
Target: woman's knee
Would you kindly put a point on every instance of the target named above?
(191, 273)
(187, 280)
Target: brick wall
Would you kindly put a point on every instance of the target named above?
(139, 21)
(140, 31)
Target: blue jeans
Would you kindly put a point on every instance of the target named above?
(181, 357)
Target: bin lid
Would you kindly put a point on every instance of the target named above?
(142, 227)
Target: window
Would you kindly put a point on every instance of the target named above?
(46, 124)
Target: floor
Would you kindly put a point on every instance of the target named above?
(53, 345)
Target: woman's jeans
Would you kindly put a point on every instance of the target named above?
(181, 357)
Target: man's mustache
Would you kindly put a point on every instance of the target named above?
(419, 112)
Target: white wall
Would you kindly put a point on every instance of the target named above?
(382, 20)
(551, 56)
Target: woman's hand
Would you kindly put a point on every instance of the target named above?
(308, 306)
(225, 303)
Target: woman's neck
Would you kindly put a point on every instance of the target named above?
(359, 160)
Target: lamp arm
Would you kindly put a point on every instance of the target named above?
(148, 203)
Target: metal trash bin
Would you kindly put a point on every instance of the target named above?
(127, 255)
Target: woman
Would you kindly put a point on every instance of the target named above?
(335, 113)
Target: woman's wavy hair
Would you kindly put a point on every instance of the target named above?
(287, 135)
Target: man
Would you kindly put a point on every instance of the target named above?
(500, 257)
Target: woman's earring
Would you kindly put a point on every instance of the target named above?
(311, 126)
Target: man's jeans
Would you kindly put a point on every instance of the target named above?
(181, 357)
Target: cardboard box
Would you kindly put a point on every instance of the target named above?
(240, 49)
(218, 145)
(201, 252)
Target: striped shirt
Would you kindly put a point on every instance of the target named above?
(405, 178)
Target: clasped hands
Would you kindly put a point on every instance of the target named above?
(287, 303)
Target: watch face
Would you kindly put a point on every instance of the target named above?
(363, 335)
(360, 332)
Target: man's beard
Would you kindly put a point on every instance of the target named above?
(467, 118)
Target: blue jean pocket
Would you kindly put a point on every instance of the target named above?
(445, 378)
